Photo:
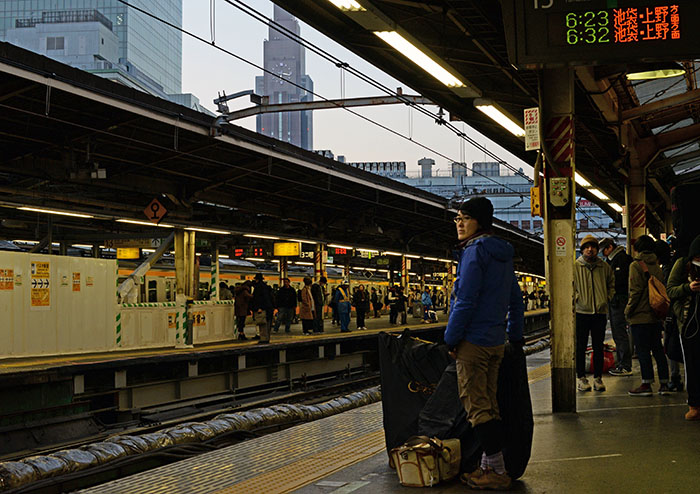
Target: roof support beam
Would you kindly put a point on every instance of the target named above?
(680, 99)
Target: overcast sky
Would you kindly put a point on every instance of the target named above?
(206, 71)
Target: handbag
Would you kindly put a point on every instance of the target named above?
(424, 462)
(260, 317)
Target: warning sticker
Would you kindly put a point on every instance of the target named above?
(7, 279)
(560, 247)
(76, 282)
(171, 320)
(199, 318)
(40, 285)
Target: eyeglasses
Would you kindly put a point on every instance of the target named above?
(461, 219)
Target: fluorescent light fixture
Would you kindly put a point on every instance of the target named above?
(347, 5)
(301, 263)
(145, 223)
(369, 250)
(33, 242)
(82, 246)
(254, 235)
(389, 253)
(598, 194)
(430, 258)
(338, 246)
(581, 181)
(370, 269)
(53, 211)
(150, 251)
(254, 258)
(489, 109)
(616, 207)
(207, 230)
(446, 260)
(302, 241)
(412, 256)
(410, 51)
(223, 256)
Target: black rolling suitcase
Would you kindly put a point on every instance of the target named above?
(684, 210)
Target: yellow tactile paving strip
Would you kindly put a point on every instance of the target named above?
(271, 464)
(276, 463)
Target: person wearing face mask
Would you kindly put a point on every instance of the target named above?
(683, 289)
(594, 286)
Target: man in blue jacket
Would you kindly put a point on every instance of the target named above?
(485, 291)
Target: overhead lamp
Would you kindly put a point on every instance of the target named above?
(254, 258)
(338, 246)
(82, 246)
(302, 241)
(648, 71)
(616, 207)
(415, 55)
(207, 230)
(581, 181)
(254, 235)
(446, 260)
(412, 256)
(430, 258)
(53, 211)
(598, 194)
(145, 223)
(302, 263)
(347, 5)
(389, 253)
(223, 256)
(490, 109)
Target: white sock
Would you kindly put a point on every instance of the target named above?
(484, 463)
(495, 461)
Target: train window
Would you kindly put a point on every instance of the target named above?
(169, 291)
(152, 291)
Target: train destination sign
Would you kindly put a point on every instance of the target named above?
(550, 33)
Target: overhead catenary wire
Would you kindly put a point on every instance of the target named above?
(252, 64)
(345, 66)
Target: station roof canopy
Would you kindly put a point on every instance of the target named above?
(73, 142)
(468, 38)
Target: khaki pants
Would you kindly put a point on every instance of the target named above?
(477, 376)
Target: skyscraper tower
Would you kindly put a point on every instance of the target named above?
(285, 58)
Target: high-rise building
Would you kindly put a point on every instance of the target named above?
(102, 36)
(287, 59)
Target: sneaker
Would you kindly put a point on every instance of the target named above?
(464, 478)
(583, 384)
(490, 480)
(620, 371)
(664, 389)
(643, 390)
(598, 384)
(693, 413)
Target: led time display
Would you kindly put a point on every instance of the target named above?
(624, 25)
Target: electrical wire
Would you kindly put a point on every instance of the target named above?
(252, 64)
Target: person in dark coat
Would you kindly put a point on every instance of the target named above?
(241, 307)
(376, 304)
(286, 305)
(263, 308)
(360, 300)
(318, 291)
(619, 261)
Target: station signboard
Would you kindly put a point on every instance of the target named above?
(555, 33)
(250, 251)
(288, 249)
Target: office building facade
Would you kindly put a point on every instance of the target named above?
(102, 36)
(286, 60)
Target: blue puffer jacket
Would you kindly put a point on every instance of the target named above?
(485, 291)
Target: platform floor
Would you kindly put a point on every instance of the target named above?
(615, 443)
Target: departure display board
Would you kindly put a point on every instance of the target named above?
(250, 251)
(551, 33)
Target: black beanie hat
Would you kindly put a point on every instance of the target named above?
(694, 249)
(480, 209)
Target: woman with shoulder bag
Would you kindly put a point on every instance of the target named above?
(645, 325)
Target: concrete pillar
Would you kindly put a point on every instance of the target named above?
(404, 274)
(557, 107)
(636, 207)
(320, 258)
(214, 285)
(284, 268)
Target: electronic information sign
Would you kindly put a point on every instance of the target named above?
(551, 33)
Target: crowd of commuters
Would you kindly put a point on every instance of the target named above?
(618, 288)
